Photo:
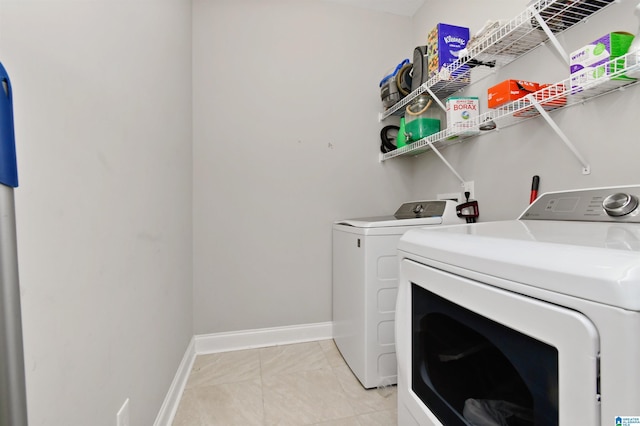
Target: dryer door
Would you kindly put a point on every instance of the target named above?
(483, 355)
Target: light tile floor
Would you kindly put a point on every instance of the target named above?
(300, 384)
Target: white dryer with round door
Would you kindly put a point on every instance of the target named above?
(365, 281)
(534, 321)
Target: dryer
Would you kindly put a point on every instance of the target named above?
(365, 274)
(534, 321)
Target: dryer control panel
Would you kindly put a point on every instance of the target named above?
(612, 204)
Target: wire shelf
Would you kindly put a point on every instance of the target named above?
(576, 89)
(505, 44)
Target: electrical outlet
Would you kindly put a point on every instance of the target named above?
(122, 418)
(469, 187)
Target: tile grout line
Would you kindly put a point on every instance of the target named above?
(264, 407)
(335, 373)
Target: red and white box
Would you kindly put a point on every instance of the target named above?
(509, 91)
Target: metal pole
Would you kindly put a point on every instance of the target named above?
(446, 163)
(13, 401)
(551, 35)
(586, 169)
(13, 392)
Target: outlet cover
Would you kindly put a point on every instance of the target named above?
(469, 186)
(122, 418)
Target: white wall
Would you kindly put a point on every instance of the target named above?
(103, 126)
(285, 142)
(502, 164)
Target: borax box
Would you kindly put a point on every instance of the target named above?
(588, 63)
(444, 44)
(462, 115)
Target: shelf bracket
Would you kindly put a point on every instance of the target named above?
(551, 35)
(586, 169)
(446, 163)
(437, 99)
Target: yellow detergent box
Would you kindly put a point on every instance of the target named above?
(462, 115)
(594, 60)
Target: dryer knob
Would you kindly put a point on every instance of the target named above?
(620, 204)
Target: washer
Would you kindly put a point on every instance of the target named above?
(365, 272)
(534, 321)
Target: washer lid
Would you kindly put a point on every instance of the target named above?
(597, 261)
(387, 221)
(428, 212)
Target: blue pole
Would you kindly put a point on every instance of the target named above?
(13, 395)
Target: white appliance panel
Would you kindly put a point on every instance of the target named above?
(577, 341)
(541, 254)
(364, 305)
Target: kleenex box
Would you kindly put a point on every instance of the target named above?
(444, 44)
(588, 63)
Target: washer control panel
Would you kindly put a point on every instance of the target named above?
(614, 204)
(427, 208)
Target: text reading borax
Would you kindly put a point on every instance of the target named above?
(467, 106)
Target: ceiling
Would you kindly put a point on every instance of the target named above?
(398, 7)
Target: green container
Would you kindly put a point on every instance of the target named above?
(402, 139)
(421, 127)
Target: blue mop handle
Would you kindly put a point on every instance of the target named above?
(8, 162)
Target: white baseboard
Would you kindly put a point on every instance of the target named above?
(233, 341)
(172, 400)
(262, 338)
